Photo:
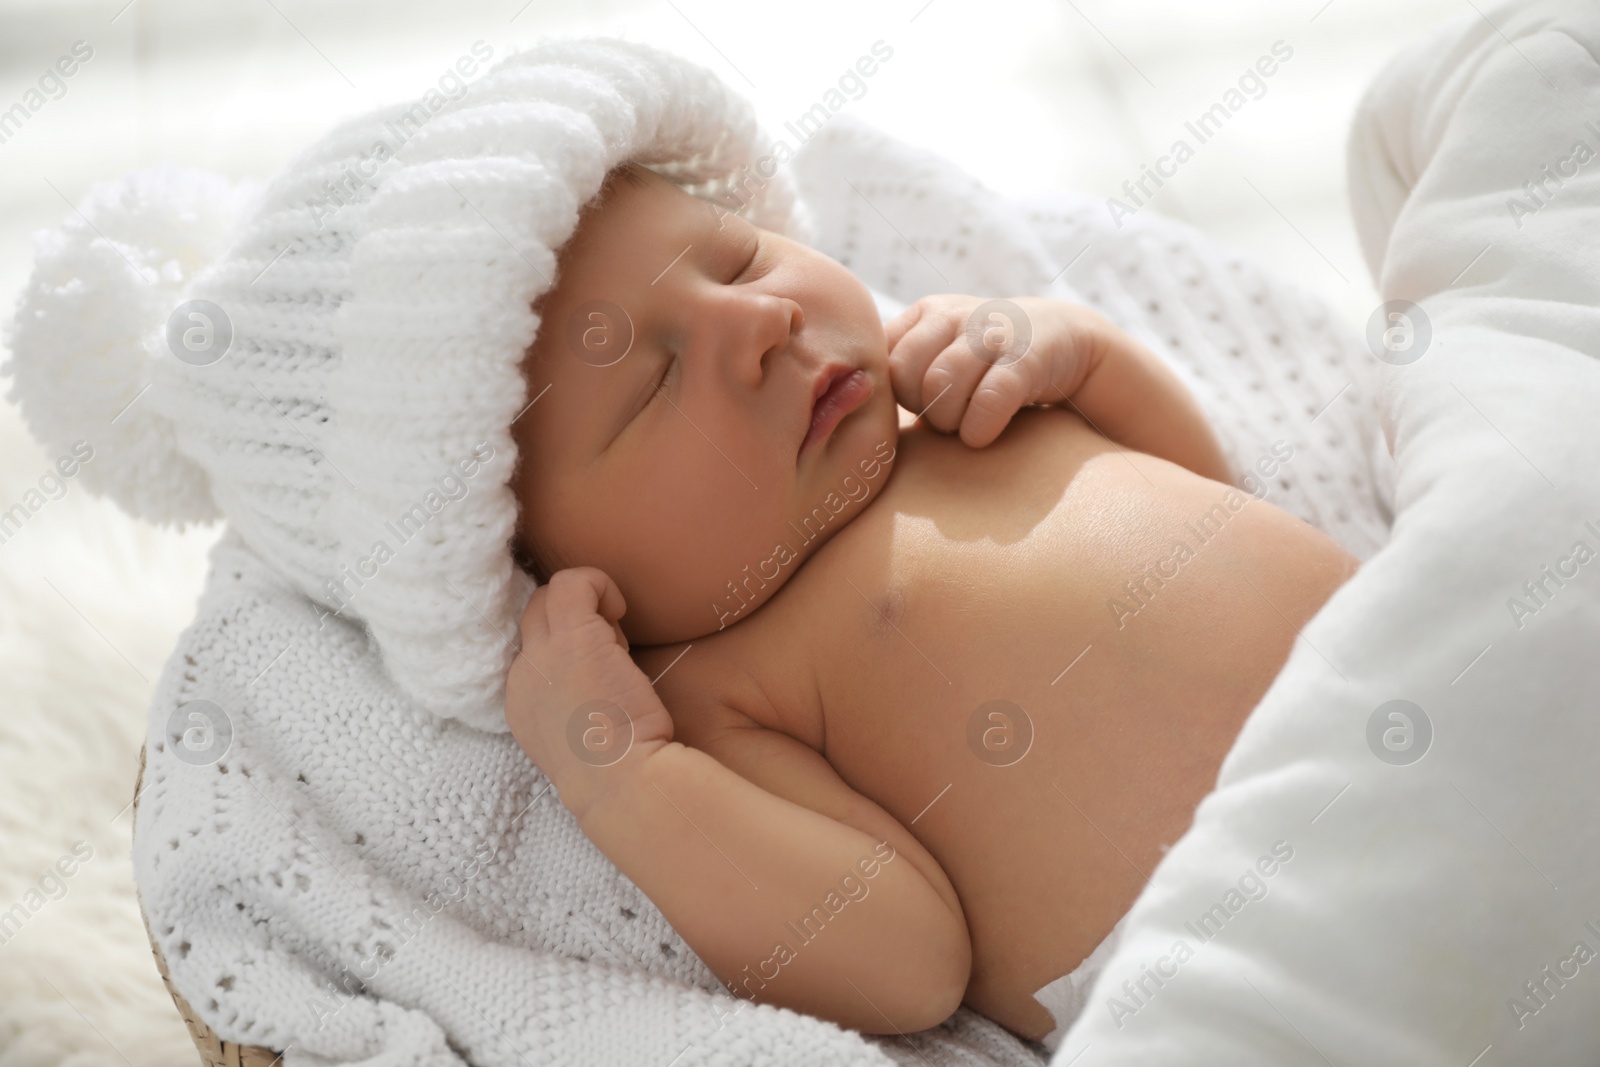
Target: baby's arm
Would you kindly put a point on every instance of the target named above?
(741, 839)
(1077, 357)
(751, 844)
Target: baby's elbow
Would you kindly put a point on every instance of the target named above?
(941, 1002)
(954, 967)
(935, 982)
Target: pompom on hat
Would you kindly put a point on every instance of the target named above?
(332, 361)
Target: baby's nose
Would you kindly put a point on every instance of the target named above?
(748, 327)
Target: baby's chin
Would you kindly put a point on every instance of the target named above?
(706, 614)
(723, 597)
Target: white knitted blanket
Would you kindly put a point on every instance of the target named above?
(359, 881)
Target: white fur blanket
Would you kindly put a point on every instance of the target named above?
(1441, 900)
(89, 602)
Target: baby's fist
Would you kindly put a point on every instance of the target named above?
(576, 702)
(968, 363)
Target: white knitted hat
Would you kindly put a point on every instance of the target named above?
(345, 397)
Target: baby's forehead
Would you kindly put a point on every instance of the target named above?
(637, 218)
(629, 180)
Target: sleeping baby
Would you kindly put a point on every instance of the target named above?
(885, 719)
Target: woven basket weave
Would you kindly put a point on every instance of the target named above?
(214, 1052)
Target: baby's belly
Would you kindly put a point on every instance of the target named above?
(1036, 656)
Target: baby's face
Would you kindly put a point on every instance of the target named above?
(682, 348)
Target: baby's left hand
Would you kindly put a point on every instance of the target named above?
(965, 366)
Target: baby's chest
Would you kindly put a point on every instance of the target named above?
(883, 656)
(970, 566)
(924, 663)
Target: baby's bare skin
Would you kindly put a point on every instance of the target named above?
(801, 788)
(983, 574)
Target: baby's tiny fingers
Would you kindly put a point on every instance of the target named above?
(947, 385)
(896, 328)
(1005, 388)
(909, 359)
(534, 626)
(578, 594)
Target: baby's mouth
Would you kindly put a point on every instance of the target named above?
(838, 392)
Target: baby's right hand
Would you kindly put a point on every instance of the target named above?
(576, 702)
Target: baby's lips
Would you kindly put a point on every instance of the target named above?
(847, 389)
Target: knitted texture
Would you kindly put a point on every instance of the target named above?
(118, 265)
(345, 398)
(357, 880)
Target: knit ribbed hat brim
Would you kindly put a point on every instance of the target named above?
(378, 300)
